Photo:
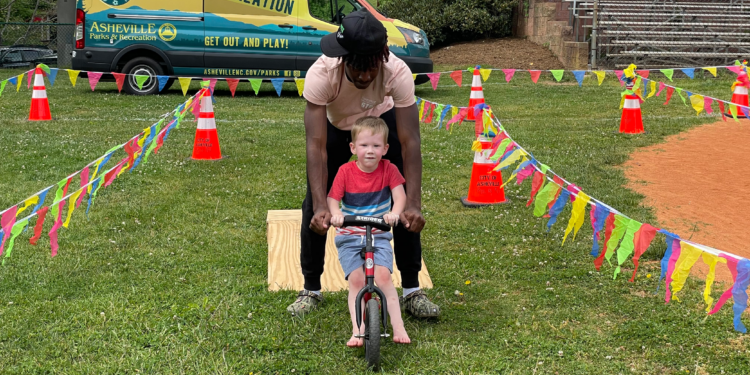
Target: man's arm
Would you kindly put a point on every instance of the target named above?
(317, 165)
(407, 123)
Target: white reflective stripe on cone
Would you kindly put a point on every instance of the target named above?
(740, 90)
(39, 80)
(39, 94)
(476, 95)
(483, 157)
(632, 104)
(477, 81)
(206, 104)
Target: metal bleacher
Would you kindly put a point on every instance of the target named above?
(664, 33)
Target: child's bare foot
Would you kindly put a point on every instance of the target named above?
(400, 336)
(356, 342)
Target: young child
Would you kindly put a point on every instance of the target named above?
(366, 187)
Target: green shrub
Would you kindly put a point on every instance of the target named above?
(449, 21)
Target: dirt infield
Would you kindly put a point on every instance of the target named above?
(697, 182)
(509, 53)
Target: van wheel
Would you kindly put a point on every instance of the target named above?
(142, 66)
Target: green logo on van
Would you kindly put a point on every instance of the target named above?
(115, 2)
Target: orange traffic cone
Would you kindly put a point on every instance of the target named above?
(631, 121)
(739, 97)
(39, 103)
(486, 186)
(206, 145)
(477, 94)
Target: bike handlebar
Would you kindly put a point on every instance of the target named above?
(362, 221)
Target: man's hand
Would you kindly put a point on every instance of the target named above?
(413, 220)
(337, 220)
(322, 220)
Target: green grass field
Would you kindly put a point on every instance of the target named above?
(168, 273)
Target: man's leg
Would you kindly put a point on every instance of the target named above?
(312, 252)
(407, 246)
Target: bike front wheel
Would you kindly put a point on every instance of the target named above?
(372, 334)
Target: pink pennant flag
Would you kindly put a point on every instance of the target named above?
(94, 78)
(120, 79)
(53, 232)
(509, 74)
(29, 74)
(535, 75)
(458, 77)
(84, 181)
(212, 84)
(661, 87)
(232, 82)
(736, 69)
(676, 251)
(434, 78)
(643, 73)
(462, 113)
(707, 104)
(619, 74)
(6, 222)
(573, 192)
(197, 107)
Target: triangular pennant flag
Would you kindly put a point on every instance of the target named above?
(652, 89)
(558, 74)
(600, 76)
(536, 184)
(414, 77)
(20, 79)
(12, 80)
(668, 73)
(689, 254)
(14, 232)
(52, 75)
(94, 78)
(212, 85)
(579, 74)
(44, 68)
(535, 75)
(72, 206)
(643, 73)
(27, 203)
(84, 182)
(679, 92)
(690, 72)
(162, 81)
(7, 220)
(509, 74)
(708, 101)
(29, 75)
(53, 232)
(619, 75)
(277, 84)
(544, 198)
(698, 103)
(41, 214)
(2, 87)
(621, 224)
(661, 87)
(232, 83)
(255, 83)
(711, 70)
(434, 78)
(736, 69)
(733, 111)
(140, 80)
(458, 77)
(745, 111)
(485, 74)
(73, 75)
(557, 208)
(739, 293)
(627, 246)
(710, 260)
(577, 215)
(670, 90)
(120, 80)
(185, 84)
(300, 85)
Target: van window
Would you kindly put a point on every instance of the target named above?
(325, 10)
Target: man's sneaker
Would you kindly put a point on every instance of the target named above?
(418, 305)
(306, 301)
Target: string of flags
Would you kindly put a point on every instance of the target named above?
(95, 77)
(622, 236)
(92, 178)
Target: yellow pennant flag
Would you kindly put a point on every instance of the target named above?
(711, 70)
(421, 109)
(577, 215)
(73, 74)
(688, 256)
(710, 260)
(414, 77)
(146, 133)
(72, 206)
(630, 71)
(185, 84)
(697, 102)
(652, 89)
(476, 146)
(18, 84)
(485, 74)
(300, 85)
(600, 76)
(28, 203)
(454, 111)
(510, 160)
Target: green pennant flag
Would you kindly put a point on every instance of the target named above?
(153, 143)
(501, 149)
(45, 68)
(544, 197)
(679, 92)
(668, 73)
(140, 80)
(621, 224)
(58, 197)
(14, 232)
(544, 168)
(255, 83)
(627, 246)
(558, 74)
(470, 69)
(2, 87)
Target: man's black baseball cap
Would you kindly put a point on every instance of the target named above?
(360, 33)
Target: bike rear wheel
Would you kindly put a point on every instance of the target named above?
(372, 334)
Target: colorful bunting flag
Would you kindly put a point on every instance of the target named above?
(94, 78)
(162, 80)
(73, 75)
(643, 73)
(458, 77)
(690, 72)
(84, 182)
(15, 231)
(52, 75)
(27, 203)
(536, 184)
(627, 245)
(668, 73)
(688, 256)
(557, 208)
(414, 77)
(72, 206)
(185, 84)
(599, 214)
(29, 74)
(233, 82)
(7, 220)
(620, 226)
(545, 196)
(140, 79)
(642, 241)
(18, 84)
(670, 90)
(277, 84)
(535, 74)
(739, 293)
(698, 103)
(731, 263)
(711, 70)
(579, 74)
(577, 215)
(2, 87)
(707, 103)
(599, 76)
(509, 74)
(120, 80)
(53, 232)
(558, 74)
(300, 82)
(485, 74)
(652, 90)
(434, 78)
(710, 260)
(41, 215)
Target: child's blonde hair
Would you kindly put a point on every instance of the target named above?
(375, 125)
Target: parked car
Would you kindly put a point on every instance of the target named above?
(49, 60)
(23, 56)
(221, 38)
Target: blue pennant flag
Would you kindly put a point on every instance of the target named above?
(277, 82)
(94, 188)
(560, 203)
(579, 76)
(13, 80)
(162, 81)
(446, 110)
(146, 143)
(39, 205)
(600, 217)
(665, 260)
(690, 72)
(52, 76)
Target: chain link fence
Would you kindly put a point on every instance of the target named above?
(56, 37)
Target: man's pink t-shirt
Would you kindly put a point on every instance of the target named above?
(326, 84)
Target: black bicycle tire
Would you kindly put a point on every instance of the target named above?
(372, 332)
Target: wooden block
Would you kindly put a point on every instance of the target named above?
(284, 270)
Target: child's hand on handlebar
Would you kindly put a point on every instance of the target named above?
(391, 219)
(337, 220)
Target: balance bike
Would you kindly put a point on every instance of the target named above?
(371, 315)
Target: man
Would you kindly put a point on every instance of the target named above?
(358, 76)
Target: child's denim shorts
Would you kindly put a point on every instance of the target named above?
(349, 247)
